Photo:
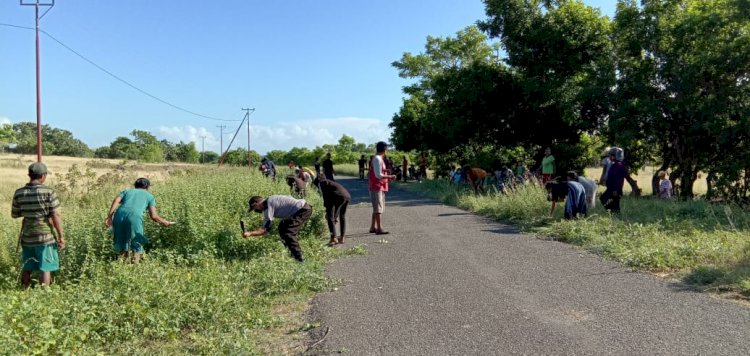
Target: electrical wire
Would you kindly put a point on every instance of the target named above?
(119, 78)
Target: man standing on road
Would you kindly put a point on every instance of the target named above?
(362, 166)
(422, 167)
(38, 205)
(378, 185)
(335, 199)
(328, 167)
(293, 212)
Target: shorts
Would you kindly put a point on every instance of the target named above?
(378, 201)
(43, 258)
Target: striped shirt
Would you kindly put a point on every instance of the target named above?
(36, 203)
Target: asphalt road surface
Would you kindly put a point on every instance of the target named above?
(448, 282)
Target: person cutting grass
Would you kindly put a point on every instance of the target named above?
(126, 219)
(293, 214)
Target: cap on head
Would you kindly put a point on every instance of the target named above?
(38, 169)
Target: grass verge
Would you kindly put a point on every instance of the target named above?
(706, 245)
(202, 288)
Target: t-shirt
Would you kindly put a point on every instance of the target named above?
(36, 203)
(589, 186)
(520, 170)
(282, 207)
(333, 193)
(136, 201)
(548, 164)
(362, 162)
(576, 201)
(665, 189)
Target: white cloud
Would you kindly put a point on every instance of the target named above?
(317, 132)
(285, 135)
(189, 134)
(4, 120)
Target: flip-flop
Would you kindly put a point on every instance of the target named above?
(381, 232)
(372, 231)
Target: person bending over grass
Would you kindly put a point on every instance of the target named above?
(38, 205)
(575, 204)
(475, 177)
(335, 199)
(293, 214)
(589, 185)
(297, 186)
(126, 219)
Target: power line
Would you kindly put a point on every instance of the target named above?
(118, 78)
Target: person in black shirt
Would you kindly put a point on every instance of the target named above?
(297, 186)
(362, 166)
(335, 199)
(328, 167)
(317, 166)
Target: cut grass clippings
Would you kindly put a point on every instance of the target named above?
(705, 244)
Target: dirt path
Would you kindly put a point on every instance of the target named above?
(451, 282)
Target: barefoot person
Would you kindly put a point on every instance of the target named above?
(126, 219)
(38, 205)
(378, 185)
(335, 199)
(293, 214)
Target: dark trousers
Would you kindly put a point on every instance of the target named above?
(329, 176)
(611, 201)
(361, 173)
(289, 228)
(336, 211)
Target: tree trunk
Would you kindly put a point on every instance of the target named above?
(635, 190)
(687, 178)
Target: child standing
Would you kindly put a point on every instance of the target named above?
(665, 186)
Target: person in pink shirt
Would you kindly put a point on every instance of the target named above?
(378, 184)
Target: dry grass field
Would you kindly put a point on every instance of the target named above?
(13, 171)
(644, 180)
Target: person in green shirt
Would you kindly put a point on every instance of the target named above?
(126, 219)
(548, 166)
(39, 207)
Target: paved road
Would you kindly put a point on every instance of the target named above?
(452, 283)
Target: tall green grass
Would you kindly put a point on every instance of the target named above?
(706, 243)
(201, 289)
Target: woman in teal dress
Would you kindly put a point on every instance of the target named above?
(126, 219)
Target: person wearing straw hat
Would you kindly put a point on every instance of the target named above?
(39, 207)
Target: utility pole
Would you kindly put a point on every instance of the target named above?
(36, 5)
(203, 148)
(249, 155)
(221, 137)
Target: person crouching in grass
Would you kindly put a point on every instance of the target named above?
(575, 204)
(293, 212)
(126, 219)
(38, 205)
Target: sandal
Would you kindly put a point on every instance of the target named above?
(340, 240)
(372, 231)
(332, 243)
(382, 232)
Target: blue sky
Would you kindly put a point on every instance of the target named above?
(313, 70)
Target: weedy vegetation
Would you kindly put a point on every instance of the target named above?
(201, 288)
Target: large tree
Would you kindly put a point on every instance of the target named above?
(683, 89)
